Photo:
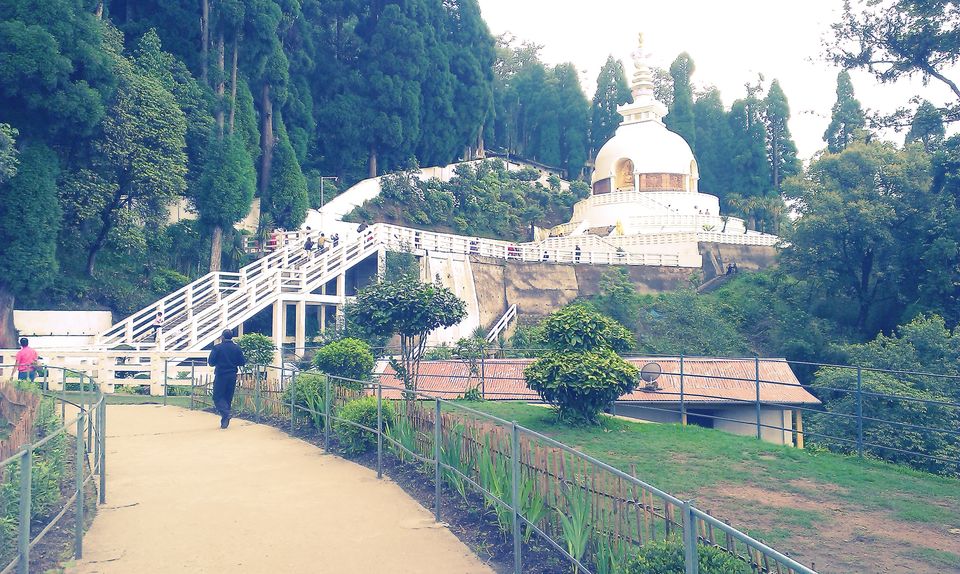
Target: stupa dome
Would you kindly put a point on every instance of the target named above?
(644, 155)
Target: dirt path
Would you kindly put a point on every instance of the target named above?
(184, 496)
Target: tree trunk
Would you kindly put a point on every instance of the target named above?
(266, 142)
(221, 79)
(372, 162)
(99, 11)
(480, 151)
(233, 83)
(216, 248)
(8, 335)
(204, 41)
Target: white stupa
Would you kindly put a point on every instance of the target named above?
(644, 188)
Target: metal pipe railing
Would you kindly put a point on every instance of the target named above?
(89, 428)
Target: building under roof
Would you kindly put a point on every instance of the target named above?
(715, 393)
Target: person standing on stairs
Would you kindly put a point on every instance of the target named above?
(225, 358)
(157, 326)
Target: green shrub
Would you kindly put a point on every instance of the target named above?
(305, 388)
(667, 558)
(581, 384)
(363, 411)
(348, 358)
(257, 349)
(579, 328)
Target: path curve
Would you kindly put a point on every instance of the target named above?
(184, 496)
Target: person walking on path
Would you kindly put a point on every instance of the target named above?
(225, 358)
(26, 361)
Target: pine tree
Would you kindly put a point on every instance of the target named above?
(287, 200)
(225, 190)
(612, 91)
(680, 119)
(713, 143)
(750, 173)
(391, 69)
(781, 151)
(472, 55)
(926, 127)
(572, 115)
(847, 118)
(28, 231)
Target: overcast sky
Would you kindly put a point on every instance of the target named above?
(730, 43)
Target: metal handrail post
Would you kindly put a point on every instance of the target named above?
(193, 377)
(78, 526)
(859, 412)
(103, 451)
(436, 458)
(756, 363)
(90, 410)
(293, 400)
(690, 554)
(379, 428)
(63, 394)
(95, 412)
(683, 402)
(515, 498)
(256, 391)
(166, 362)
(193, 391)
(326, 414)
(23, 540)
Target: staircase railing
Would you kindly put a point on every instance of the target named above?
(502, 324)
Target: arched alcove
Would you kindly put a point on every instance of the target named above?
(623, 174)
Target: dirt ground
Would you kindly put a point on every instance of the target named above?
(184, 496)
(829, 546)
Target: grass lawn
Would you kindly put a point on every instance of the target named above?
(131, 399)
(794, 499)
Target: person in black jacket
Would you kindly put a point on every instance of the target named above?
(225, 359)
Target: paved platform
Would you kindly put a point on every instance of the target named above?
(184, 496)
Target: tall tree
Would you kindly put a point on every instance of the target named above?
(28, 231)
(926, 127)
(287, 200)
(846, 119)
(612, 91)
(141, 154)
(713, 144)
(571, 110)
(892, 39)
(472, 56)
(225, 190)
(439, 140)
(391, 67)
(681, 118)
(781, 151)
(861, 212)
(750, 174)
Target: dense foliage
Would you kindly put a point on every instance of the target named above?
(363, 411)
(257, 349)
(484, 199)
(582, 373)
(409, 309)
(349, 358)
(668, 558)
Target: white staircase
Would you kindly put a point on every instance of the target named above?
(196, 314)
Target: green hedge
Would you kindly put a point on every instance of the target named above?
(667, 558)
(355, 440)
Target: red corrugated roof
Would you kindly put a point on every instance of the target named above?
(728, 381)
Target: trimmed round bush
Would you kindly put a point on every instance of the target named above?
(667, 558)
(355, 440)
(349, 358)
(581, 384)
(257, 349)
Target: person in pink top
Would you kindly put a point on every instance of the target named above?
(26, 361)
